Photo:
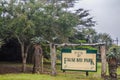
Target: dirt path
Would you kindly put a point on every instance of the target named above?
(6, 68)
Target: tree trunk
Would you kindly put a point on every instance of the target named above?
(112, 64)
(53, 59)
(24, 51)
(37, 68)
(24, 56)
(23, 64)
(103, 60)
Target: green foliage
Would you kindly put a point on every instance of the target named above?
(37, 40)
(34, 19)
(86, 47)
(111, 55)
(66, 23)
(1, 42)
(114, 52)
(104, 37)
(17, 24)
(77, 38)
(54, 23)
(82, 41)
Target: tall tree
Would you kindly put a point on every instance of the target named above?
(20, 26)
(89, 33)
(106, 38)
(84, 31)
(56, 24)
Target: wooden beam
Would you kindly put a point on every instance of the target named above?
(82, 44)
(103, 60)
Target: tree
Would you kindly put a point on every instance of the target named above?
(78, 37)
(20, 26)
(84, 35)
(64, 3)
(57, 24)
(114, 51)
(104, 37)
(113, 61)
(84, 31)
(89, 33)
(38, 53)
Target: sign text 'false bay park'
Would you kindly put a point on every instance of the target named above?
(84, 60)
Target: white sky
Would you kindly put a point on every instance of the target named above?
(106, 13)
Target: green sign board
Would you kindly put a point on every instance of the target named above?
(83, 60)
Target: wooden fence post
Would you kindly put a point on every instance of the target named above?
(103, 61)
(53, 59)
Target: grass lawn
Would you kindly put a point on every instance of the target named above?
(68, 75)
(45, 77)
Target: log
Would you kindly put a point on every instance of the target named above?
(82, 44)
(103, 60)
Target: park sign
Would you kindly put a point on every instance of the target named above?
(83, 60)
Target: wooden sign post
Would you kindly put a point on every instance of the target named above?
(88, 61)
(103, 60)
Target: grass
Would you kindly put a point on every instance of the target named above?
(68, 75)
(44, 77)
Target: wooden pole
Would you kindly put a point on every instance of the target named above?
(53, 59)
(87, 73)
(82, 44)
(103, 60)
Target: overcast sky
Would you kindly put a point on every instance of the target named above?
(106, 13)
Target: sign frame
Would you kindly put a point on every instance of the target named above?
(63, 51)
